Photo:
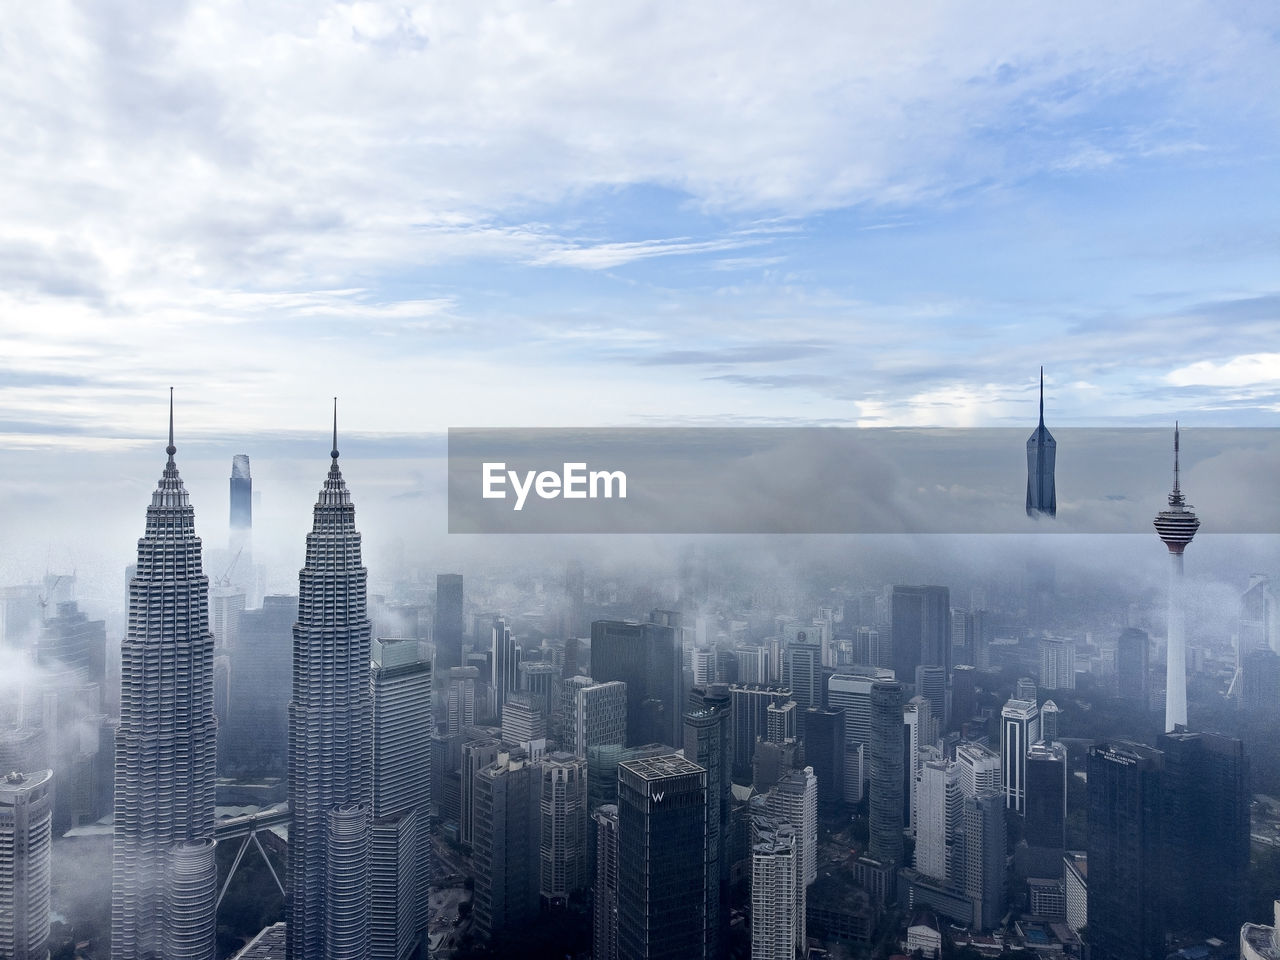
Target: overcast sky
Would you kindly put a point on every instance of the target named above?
(561, 213)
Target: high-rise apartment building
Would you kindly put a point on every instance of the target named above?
(1057, 664)
(777, 890)
(604, 925)
(662, 822)
(794, 799)
(165, 746)
(26, 845)
(940, 818)
(330, 737)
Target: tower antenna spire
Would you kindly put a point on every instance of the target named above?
(334, 451)
(1175, 457)
(1042, 395)
(171, 449)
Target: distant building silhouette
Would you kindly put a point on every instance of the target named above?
(1133, 666)
(447, 626)
(1042, 454)
(920, 620)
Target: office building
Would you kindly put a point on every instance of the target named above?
(26, 845)
(1206, 823)
(446, 627)
(330, 737)
(1260, 942)
(257, 733)
(1125, 899)
(921, 629)
(602, 768)
(505, 658)
(506, 845)
(851, 692)
(1042, 452)
(802, 672)
(604, 925)
(706, 743)
(1019, 729)
(749, 718)
(940, 818)
(523, 725)
(538, 679)
(1133, 666)
(887, 772)
(563, 834)
(1050, 721)
(777, 890)
(979, 768)
(964, 695)
(931, 683)
(400, 838)
(646, 657)
(794, 800)
(984, 846)
(1260, 683)
(917, 724)
(753, 665)
(476, 754)
(662, 813)
(165, 743)
(599, 714)
(1045, 824)
(824, 750)
(1176, 527)
(460, 700)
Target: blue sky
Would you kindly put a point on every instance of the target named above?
(561, 213)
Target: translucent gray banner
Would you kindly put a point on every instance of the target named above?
(848, 480)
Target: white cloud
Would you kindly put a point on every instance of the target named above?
(1253, 369)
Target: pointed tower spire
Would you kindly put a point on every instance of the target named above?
(171, 449)
(1042, 396)
(334, 451)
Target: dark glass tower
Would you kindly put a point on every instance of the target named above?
(165, 749)
(447, 631)
(706, 743)
(646, 658)
(887, 772)
(921, 629)
(1042, 454)
(662, 822)
(1132, 666)
(330, 738)
(1126, 916)
(1206, 833)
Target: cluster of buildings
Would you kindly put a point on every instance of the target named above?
(648, 769)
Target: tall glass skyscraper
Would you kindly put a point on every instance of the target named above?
(330, 738)
(165, 749)
(1042, 455)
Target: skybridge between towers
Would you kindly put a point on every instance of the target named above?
(246, 827)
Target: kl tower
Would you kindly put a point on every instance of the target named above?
(1176, 526)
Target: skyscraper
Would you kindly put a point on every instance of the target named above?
(604, 925)
(979, 768)
(600, 715)
(887, 774)
(1126, 918)
(506, 839)
(165, 746)
(794, 799)
(1057, 664)
(261, 666)
(1019, 729)
(447, 625)
(400, 846)
(26, 844)
(921, 628)
(1046, 800)
(506, 666)
(646, 657)
(662, 814)
(476, 755)
(851, 692)
(749, 719)
(1132, 666)
(241, 499)
(824, 750)
(984, 845)
(706, 743)
(777, 890)
(802, 672)
(964, 695)
(1206, 824)
(1042, 453)
(931, 683)
(563, 834)
(330, 737)
(1176, 526)
(939, 819)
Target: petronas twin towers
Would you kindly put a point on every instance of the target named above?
(164, 872)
